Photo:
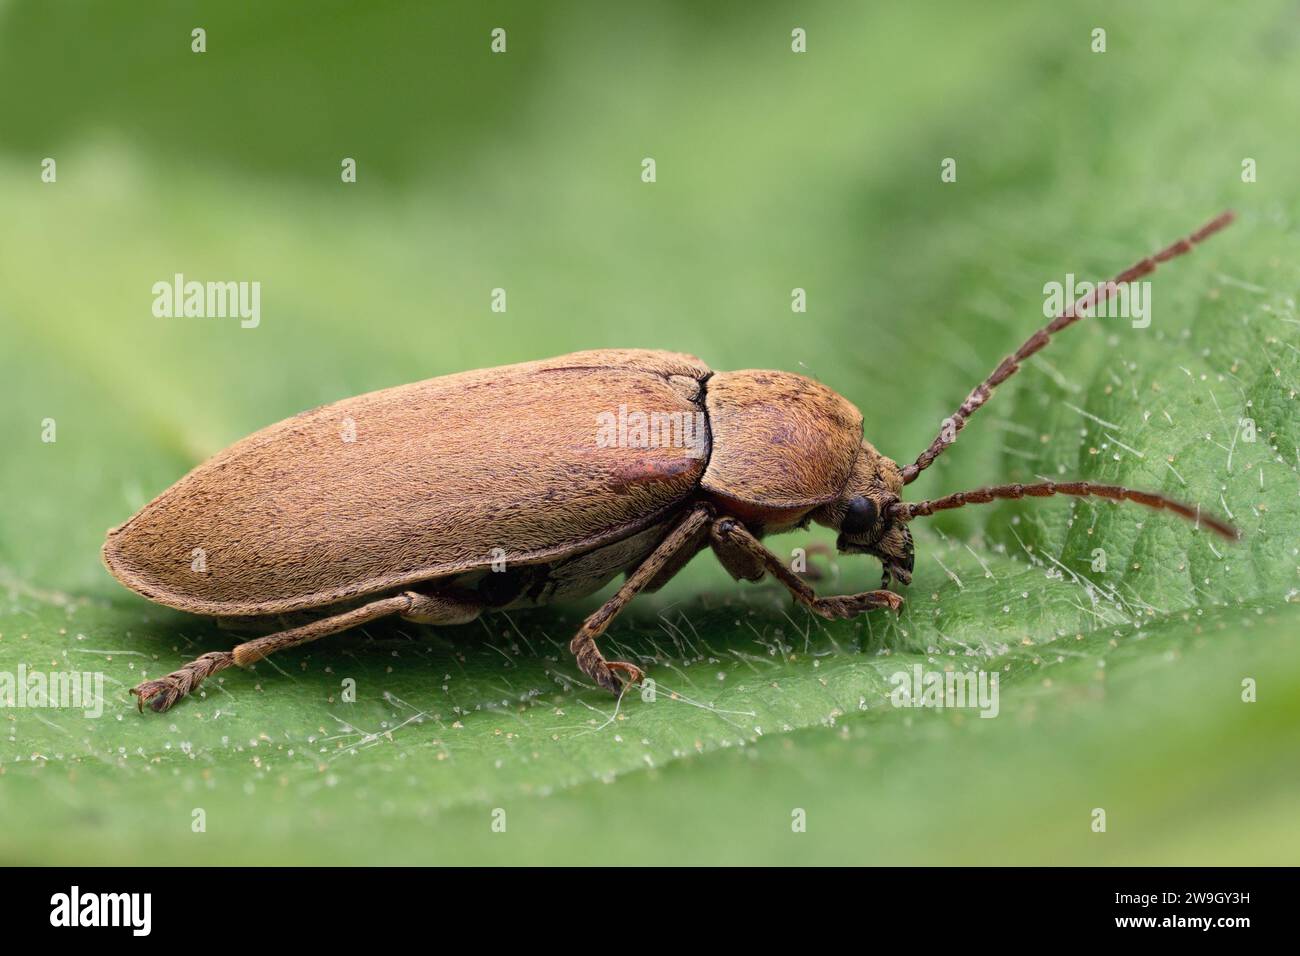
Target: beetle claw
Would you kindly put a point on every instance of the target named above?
(164, 691)
(615, 676)
(160, 694)
(607, 679)
(631, 674)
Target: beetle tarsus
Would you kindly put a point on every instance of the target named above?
(163, 692)
(605, 673)
(632, 673)
(851, 605)
(607, 679)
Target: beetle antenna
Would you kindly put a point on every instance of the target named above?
(1009, 365)
(906, 511)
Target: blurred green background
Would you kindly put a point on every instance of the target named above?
(1121, 689)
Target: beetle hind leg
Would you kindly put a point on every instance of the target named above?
(445, 608)
(161, 693)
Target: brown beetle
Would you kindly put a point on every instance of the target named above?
(498, 489)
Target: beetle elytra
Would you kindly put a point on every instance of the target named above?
(490, 489)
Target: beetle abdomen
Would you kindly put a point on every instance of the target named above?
(422, 481)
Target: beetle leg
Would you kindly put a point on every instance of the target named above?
(163, 692)
(745, 557)
(698, 541)
(583, 646)
(442, 608)
(741, 563)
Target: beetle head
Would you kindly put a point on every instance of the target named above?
(864, 515)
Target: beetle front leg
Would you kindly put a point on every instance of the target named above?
(583, 646)
(747, 559)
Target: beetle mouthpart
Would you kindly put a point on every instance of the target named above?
(844, 546)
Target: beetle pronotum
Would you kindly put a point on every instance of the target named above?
(489, 490)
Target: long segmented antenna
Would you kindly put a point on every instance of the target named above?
(906, 511)
(1009, 365)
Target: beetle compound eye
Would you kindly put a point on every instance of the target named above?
(861, 516)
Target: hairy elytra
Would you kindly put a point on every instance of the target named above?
(511, 487)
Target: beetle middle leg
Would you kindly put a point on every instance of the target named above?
(161, 693)
(583, 646)
(747, 559)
